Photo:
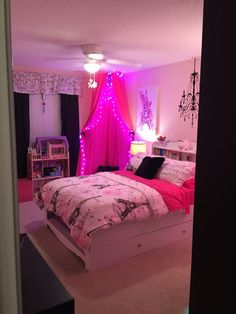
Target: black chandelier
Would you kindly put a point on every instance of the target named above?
(189, 103)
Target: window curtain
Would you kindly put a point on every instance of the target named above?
(22, 128)
(70, 127)
(106, 137)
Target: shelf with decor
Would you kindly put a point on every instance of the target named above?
(180, 150)
(48, 160)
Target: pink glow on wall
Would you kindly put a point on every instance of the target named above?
(170, 80)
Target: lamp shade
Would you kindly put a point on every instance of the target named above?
(138, 147)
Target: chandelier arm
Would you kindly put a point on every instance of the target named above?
(189, 103)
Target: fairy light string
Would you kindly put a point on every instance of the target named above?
(107, 98)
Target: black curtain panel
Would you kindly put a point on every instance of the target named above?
(70, 127)
(22, 127)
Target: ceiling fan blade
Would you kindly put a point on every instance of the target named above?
(66, 58)
(122, 62)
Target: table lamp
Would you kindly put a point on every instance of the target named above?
(138, 147)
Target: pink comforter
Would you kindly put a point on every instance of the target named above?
(87, 204)
(175, 197)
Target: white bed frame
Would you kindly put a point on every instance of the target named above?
(127, 239)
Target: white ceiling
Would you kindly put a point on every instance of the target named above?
(48, 33)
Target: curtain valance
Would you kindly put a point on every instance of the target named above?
(46, 83)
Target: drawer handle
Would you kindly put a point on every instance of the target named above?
(184, 231)
(139, 245)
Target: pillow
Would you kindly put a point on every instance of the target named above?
(149, 166)
(189, 183)
(176, 171)
(136, 160)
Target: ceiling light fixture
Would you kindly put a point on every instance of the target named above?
(92, 66)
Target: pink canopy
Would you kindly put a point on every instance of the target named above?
(105, 139)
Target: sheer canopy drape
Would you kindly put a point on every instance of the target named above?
(106, 137)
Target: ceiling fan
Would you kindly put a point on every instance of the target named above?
(94, 54)
(95, 58)
(91, 57)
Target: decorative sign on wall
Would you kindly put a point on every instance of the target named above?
(147, 113)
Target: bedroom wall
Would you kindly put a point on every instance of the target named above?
(47, 123)
(85, 103)
(170, 80)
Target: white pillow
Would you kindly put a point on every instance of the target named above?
(176, 171)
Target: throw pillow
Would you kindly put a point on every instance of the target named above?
(176, 171)
(149, 167)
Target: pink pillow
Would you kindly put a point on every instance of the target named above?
(190, 183)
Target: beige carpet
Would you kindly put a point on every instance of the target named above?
(153, 283)
(30, 216)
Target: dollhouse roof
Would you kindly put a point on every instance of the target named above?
(42, 142)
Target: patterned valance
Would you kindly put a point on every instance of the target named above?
(45, 83)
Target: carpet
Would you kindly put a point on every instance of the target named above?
(24, 190)
(156, 282)
(30, 216)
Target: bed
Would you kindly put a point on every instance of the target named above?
(107, 217)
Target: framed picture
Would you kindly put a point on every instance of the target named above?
(147, 113)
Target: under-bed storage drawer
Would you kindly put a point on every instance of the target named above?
(158, 238)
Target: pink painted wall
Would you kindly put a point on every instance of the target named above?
(170, 80)
(85, 102)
